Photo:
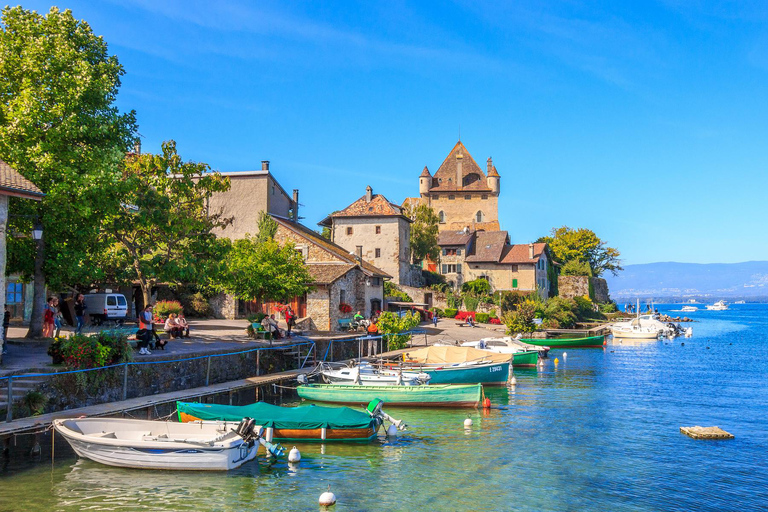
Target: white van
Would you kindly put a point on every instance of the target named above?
(106, 306)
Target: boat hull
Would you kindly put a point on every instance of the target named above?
(309, 434)
(495, 374)
(440, 395)
(525, 359)
(588, 342)
(175, 456)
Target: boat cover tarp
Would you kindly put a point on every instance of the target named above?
(451, 355)
(267, 415)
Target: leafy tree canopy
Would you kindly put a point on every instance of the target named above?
(576, 268)
(424, 230)
(478, 287)
(264, 270)
(60, 128)
(582, 244)
(162, 230)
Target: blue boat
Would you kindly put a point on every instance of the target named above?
(487, 374)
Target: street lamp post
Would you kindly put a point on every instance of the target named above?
(38, 301)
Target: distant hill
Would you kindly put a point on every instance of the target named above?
(748, 280)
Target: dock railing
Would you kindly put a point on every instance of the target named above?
(184, 379)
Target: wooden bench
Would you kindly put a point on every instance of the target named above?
(260, 333)
(345, 324)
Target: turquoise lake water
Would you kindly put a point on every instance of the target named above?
(598, 431)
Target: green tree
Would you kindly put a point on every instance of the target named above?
(576, 268)
(264, 270)
(392, 326)
(424, 230)
(477, 287)
(569, 244)
(267, 227)
(60, 128)
(163, 226)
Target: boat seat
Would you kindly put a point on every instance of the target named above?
(109, 435)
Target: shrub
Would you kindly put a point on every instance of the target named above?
(437, 311)
(559, 313)
(391, 325)
(492, 314)
(164, 308)
(576, 268)
(345, 308)
(482, 317)
(117, 342)
(80, 351)
(471, 302)
(196, 305)
(454, 300)
(434, 280)
(451, 312)
(256, 318)
(477, 287)
(494, 321)
(509, 300)
(521, 319)
(463, 315)
(392, 291)
(608, 307)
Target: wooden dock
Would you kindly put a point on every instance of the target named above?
(41, 422)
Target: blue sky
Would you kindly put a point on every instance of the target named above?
(644, 121)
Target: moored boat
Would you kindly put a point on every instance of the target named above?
(488, 374)
(302, 423)
(458, 365)
(440, 395)
(144, 444)
(368, 375)
(718, 306)
(586, 342)
(507, 345)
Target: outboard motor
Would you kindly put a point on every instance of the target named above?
(375, 410)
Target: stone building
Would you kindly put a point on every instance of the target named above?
(469, 255)
(462, 195)
(381, 230)
(339, 277)
(251, 193)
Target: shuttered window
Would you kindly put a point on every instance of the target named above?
(514, 283)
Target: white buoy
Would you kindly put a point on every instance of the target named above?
(565, 354)
(294, 455)
(467, 422)
(391, 431)
(513, 381)
(327, 498)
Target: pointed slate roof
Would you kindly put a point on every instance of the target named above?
(445, 176)
(425, 173)
(14, 184)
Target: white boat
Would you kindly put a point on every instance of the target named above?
(689, 309)
(635, 330)
(144, 444)
(506, 345)
(718, 306)
(367, 375)
(740, 302)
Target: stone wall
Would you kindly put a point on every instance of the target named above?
(460, 212)
(223, 305)
(579, 286)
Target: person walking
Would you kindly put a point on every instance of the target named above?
(434, 318)
(80, 313)
(48, 314)
(290, 319)
(56, 317)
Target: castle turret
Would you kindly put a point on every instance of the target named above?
(494, 180)
(425, 181)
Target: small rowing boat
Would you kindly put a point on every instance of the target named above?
(143, 444)
(440, 395)
(458, 365)
(303, 423)
(589, 341)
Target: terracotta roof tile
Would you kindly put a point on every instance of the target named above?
(378, 206)
(454, 238)
(325, 274)
(447, 171)
(489, 246)
(425, 173)
(519, 253)
(336, 250)
(13, 183)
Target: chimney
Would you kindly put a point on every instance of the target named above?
(265, 165)
(530, 251)
(368, 194)
(459, 169)
(359, 254)
(490, 165)
(295, 205)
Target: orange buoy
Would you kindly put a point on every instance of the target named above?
(487, 403)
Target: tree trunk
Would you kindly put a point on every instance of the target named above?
(38, 302)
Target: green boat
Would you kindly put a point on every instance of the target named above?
(487, 374)
(440, 395)
(590, 341)
(528, 358)
(303, 423)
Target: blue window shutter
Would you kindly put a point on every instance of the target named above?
(458, 268)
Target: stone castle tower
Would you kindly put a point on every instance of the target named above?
(460, 192)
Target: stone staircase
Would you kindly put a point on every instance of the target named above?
(21, 386)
